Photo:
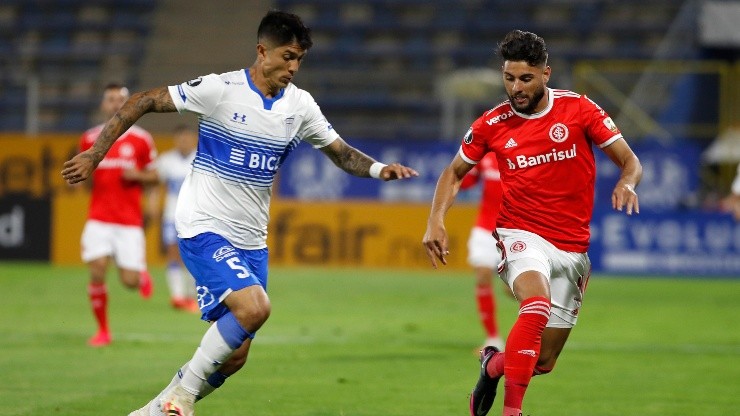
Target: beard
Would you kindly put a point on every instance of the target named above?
(533, 102)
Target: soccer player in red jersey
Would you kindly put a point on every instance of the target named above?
(114, 227)
(543, 139)
(482, 253)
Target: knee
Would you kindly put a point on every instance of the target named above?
(97, 271)
(130, 278)
(253, 314)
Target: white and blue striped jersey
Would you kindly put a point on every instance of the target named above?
(173, 167)
(244, 137)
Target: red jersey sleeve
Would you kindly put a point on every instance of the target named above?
(474, 144)
(598, 125)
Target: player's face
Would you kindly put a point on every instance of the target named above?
(280, 63)
(525, 85)
(113, 100)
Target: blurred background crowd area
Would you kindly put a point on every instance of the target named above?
(381, 69)
(403, 79)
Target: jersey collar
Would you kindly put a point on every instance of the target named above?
(266, 102)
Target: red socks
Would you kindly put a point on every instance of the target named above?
(487, 309)
(99, 300)
(522, 350)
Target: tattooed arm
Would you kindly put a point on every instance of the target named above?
(359, 164)
(156, 100)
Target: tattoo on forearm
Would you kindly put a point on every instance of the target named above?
(352, 161)
(155, 100)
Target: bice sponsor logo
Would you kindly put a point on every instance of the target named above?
(523, 161)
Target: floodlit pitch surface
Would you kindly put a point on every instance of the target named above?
(372, 343)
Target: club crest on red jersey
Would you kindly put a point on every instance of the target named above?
(126, 150)
(559, 132)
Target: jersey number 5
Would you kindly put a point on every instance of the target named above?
(233, 262)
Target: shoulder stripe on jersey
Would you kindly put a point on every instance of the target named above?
(610, 141)
(565, 93)
(465, 158)
(505, 103)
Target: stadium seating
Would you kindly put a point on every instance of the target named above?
(373, 68)
(72, 48)
(374, 64)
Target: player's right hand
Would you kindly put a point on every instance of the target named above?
(78, 168)
(397, 171)
(435, 244)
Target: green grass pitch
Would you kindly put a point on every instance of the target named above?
(372, 343)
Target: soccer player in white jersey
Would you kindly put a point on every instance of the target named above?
(173, 166)
(249, 121)
(732, 201)
(543, 141)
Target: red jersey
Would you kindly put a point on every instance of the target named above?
(113, 198)
(548, 169)
(490, 202)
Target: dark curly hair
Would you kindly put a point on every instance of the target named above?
(282, 28)
(523, 46)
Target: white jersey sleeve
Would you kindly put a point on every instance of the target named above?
(315, 129)
(200, 96)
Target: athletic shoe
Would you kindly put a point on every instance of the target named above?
(101, 339)
(178, 402)
(145, 284)
(481, 399)
(149, 409)
(144, 411)
(494, 342)
(183, 304)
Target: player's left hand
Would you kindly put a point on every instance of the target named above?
(78, 168)
(435, 244)
(397, 171)
(625, 197)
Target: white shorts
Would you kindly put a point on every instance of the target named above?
(567, 272)
(482, 251)
(125, 243)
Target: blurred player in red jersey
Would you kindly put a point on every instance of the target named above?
(114, 227)
(542, 139)
(482, 252)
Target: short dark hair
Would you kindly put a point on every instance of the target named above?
(283, 28)
(523, 46)
(113, 86)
